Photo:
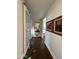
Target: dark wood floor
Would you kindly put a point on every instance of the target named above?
(38, 49)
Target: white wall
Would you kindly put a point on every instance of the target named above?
(19, 29)
(24, 22)
(53, 41)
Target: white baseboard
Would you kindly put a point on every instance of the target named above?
(22, 56)
(25, 52)
(51, 52)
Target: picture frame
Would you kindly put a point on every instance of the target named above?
(49, 26)
(58, 25)
(55, 25)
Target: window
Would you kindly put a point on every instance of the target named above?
(44, 27)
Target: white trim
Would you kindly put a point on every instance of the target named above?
(22, 56)
(24, 53)
(51, 52)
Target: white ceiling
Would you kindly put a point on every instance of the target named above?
(38, 8)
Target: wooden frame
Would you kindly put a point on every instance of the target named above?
(55, 25)
(58, 25)
(49, 26)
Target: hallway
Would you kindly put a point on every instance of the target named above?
(38, 49)
(39, 26)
